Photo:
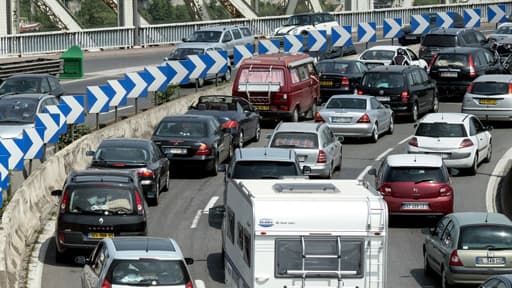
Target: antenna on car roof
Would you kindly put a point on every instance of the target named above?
(486, 216)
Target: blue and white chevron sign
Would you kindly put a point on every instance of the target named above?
(445, 19)
(54, 109)
(472, 17)
(178, 74)
(217, 61)
(197, 66)
(35, 136)
(160, 76)
(496, 13)
(420, 24)
(268, 46)
(116, 93)
(366, 32)
(97, 99)
(317, 40)
(15, 148)
(293, 43)
(73, 108)
(4, 172)
(392, 28)
(49, 123)
(140, 82)
(341, 36)
(242, 52)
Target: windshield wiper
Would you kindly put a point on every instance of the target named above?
(268, 177)
(494, 248)
(424, 180)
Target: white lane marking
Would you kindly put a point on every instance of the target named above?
(366, 169)
(405, 140)
(502, 167)
(196, 219)
(118, 109)
(383, 154)
(210, 204)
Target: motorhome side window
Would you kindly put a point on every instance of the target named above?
(290, 262)
(230, 233)
(303, 73)
(244, 243)
(312, 70)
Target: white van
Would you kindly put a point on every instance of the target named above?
(304, 233)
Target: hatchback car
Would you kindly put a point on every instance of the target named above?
(140, 155)
(489, 97)
(339, 76)
(406, 89)
(460, 139)
(498, 281)
(97, 204)
(315, 145)
(455, 69)
(137, 262)
(384, 54)
(32, 84)
(357, 116)
(468, 247)
(415, 185)
(194, 140)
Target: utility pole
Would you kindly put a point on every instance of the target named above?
(136, 22)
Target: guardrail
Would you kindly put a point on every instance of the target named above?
(41, 65)
(124, 37)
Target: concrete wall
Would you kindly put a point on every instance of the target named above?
(31, 205)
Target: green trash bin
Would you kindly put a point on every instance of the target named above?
(73, 63)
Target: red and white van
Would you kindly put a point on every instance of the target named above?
(280, 86)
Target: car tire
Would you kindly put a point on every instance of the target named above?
(257, 135)
(427, 269)
(391, 128)
(227, 76)
(240, 143)
(375, 134)
(331, 168)
(474, 167)
(214, 164)
(231, 152)
(339, 164)
(154, 201)
(314, 109)
(167, 181)
(295, 115)
(489, 153)
(444, 280)
(435, 104)
(414, 112)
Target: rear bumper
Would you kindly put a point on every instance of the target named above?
(437, 206)
(489, 114)
(464, 275)
(74, 240)
(275, 115)
(352, 130)
(459, 159)
(318, 170)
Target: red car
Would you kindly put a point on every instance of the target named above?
(415, 184)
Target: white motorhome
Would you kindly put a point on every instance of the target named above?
(304, 233)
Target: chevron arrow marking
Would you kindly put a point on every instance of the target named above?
(341, 36)
(35, 150)
(472, 18)
(139, 87)
(99, 97)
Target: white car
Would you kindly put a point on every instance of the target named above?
(504, 31)
(384, 54)
(460, 139)
(301, 23)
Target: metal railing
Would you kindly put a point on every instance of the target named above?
(148, 35)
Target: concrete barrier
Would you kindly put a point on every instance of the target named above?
(32, 203)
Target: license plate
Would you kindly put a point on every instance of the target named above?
(101, 235)
(301, 158)
(488, 101)
(326, 83)
(490, 260)
(449, 74)
(175, 151)
(341, 119)
(383, 98)
(414, 205)
(262, 107)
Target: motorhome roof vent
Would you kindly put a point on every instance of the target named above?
(305, 188)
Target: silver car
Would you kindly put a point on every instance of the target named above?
(504, 31)
(357, 116)
(315, 145)
(490, 98)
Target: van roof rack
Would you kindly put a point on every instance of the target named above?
(305, 188)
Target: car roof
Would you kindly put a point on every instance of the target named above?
(92, 172)
(201, 118)
(414, 160)
(264, 154)
(277, 59)
(504, 24)
(125, 142)
(351, 96)
(392, 68)
(447, 31)
(220, 28)
(298, 127)
(444, 117)
(494, 78)
(385, 47)
(33, 96)
(144, 247)
(338, 60)
(471, 218)
(460, 50)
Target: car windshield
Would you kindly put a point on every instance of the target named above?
(295, 140)
(490, 88)
(440, 130)
(182, 53)
(148, 273)
(205, 36)
(182, 129)
(20, 85)
(299, 20)
(439, 40)
(122, 154)
(383, 80)
(100, 200)
(484, 237)
(334, 67)
(504, 30)
(346, 103)
(261, 76)
(19, 110)
(378, 55)
(415, 174)
(264, 169)
(456, 60)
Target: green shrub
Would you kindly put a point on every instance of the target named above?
(68, 138)
(167, 95)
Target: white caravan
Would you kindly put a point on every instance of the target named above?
(304, 233)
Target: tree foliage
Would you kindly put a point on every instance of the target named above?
(161, 11)
(96, 14)
(36, 16)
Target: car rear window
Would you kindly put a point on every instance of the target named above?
(346, 103)
(100, 200)
(148, 272)
(415, 174)
(264, 169)
(182, 129)
(334, 67)
(490, 88)
(439, 40)
(378, 55)
(456, 60)
(261, 76)
(476, 237)
(122, 154)
(18, 110)
(441, 130)
(383, 80)
(295, 140)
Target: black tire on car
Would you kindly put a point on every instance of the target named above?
(227, 76)
(257, 134)
(375, 134)
(414, 112)
(489, 153)
(444, 281)
(214, 164)
(295, 115)
(154, 201)
(391, 128)
(427, 269)
(474, 167)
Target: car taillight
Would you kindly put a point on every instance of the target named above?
(472, 72)
(509, 88)
(466, 143)
(230, 124)
(385, 190)
(432, 62)
(364, 119)
(404, 97)
(318, 118)
(138, 203)
(145, 172)
(118, 165)
(470, 88)
(189, 285)
(345, 82)
(413, 142)
(445, 191)
(64, 201)
(322, 158)
(359, 92)
(106, 284)
(454, 259)
(61, 237)
(203, 150)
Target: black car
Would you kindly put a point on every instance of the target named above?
(409, 38)
(194, 140)
(339, 76)
(455, 69)
(406, 89)
(441, 38)
(97, 204)
(140, 155)
(32, 84)
(235, 114)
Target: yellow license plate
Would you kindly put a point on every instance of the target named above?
(326, 83)
(261, 107)
(101, 235)
(488, 101)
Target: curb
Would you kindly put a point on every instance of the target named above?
(501, 169)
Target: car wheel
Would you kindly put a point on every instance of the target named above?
(230, 153)
(257, 135)
(444, 280)
(435, 104)
(339, 164)
(227, 76)
(331, 168)
(167, 181)
(375, 134)
(154, 201)
(214, 165)
(314, 109)
(391, 124)
(474, 166)
(489, 153)
(295, 115)
(240, 143)
(426, 266)
(414, 112)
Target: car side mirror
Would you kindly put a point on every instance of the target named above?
(489, 128)
(90, 153)
(199, 284)
(56, 193)
(81, 260)
(340, 139)
(216, 216)
(189, 261)
(306, 170)
(372, 172)
(222, 168)
(166, 58)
